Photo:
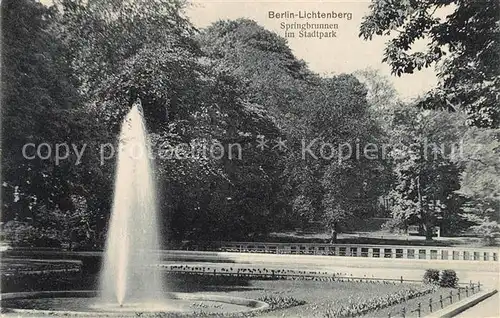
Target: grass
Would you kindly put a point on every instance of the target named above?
(318, 296)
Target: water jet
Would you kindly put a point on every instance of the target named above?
(132, 245)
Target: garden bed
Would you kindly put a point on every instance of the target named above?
(11, 266)
(315, 298)
(34, 275)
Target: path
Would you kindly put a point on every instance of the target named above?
(488, 308)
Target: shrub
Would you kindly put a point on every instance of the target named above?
(489, 231)
(35, 281)
(448, 278)
(25, 234)
(431, 276)
(394, 225)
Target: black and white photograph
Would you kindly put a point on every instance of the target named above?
(250, 158)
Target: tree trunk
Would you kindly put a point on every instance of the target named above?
(427, 225)
(333, 234)
(429, 231)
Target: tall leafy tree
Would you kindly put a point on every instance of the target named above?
(271, 76)
(464, 45)
(424, 144)
(263, 62)
(336, 183)
(306, 107)
(479, 180)
(41, 105)
(100, 34)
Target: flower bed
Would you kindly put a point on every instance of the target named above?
(280, 302)
(315, 298)
(32, 275)
(15, 266)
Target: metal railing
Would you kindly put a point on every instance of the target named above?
(364, 250)
(438, 303)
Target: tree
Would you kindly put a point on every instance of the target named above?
(479, 180)
(41, 105)
(382, 97)
(464, 46)
(424, 143)
(263, 62)
(270, 76)
(306, 107)
(101, 34)
(337, 188)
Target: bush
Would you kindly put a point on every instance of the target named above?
(394, 225)
(448, 278)
(26, 235)
(489, 231)
(431, 276)
(36, 281)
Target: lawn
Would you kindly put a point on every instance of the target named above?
(319, 297)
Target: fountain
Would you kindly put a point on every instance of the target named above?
(130, 278)
(130, 270)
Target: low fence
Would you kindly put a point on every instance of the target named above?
(290, 274)
(437, 303)
(13, 266)
(285, 273)
(364, 250)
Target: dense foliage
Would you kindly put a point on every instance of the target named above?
(465, 46)
(308, 109)
(41, 105)
(448, 278)
(431, 276)
(443, 172)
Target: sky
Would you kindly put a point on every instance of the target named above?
(346, 53)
